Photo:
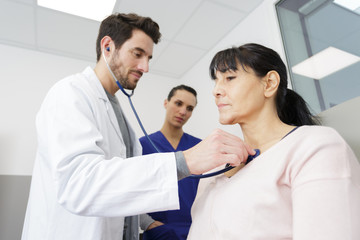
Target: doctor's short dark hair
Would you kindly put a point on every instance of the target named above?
(291, 107)
(119, 26)
(181, 87)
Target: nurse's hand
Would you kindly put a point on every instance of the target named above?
(217, 149)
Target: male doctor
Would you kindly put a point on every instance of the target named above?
(88, 174)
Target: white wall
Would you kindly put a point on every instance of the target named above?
(26, 76)
(261, 26)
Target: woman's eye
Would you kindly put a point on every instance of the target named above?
(230, 78)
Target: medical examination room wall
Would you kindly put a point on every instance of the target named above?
(26, 76)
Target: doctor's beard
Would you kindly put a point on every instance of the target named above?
(123, 78)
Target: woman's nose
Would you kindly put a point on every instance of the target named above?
(218, 89)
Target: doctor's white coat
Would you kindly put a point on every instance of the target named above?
(82, 185)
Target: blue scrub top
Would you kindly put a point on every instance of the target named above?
(177, 222)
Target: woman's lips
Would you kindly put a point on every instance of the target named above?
(222, 105)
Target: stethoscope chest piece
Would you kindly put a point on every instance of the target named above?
(229, 170)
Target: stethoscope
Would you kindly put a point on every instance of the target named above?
(227, 167)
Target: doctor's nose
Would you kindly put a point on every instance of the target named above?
(143, 65)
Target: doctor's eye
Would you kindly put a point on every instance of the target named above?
(137, 54)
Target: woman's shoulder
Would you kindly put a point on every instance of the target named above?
(319, 152)
(320, 140)
(313, 138)
(317, 128)
(319, 132)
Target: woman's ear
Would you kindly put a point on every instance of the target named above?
(272, 81)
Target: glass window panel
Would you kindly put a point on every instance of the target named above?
(308, 27)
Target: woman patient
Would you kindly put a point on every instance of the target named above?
(305, 184)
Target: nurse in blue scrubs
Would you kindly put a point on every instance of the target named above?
(174, 224)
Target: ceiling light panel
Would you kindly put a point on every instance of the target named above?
(92, 9)
(325, 63)
(353, 5)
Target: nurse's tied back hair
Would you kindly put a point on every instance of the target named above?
(291, 107)
(181, 87)
(119, 27)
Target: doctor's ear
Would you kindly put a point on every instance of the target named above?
(165, 103)
(106, 44)
(272, 81)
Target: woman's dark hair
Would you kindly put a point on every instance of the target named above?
(119, 27)
(181, 87)
(291, 107)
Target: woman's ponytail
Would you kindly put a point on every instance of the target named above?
(293, 110)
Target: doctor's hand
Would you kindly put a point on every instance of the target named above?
(217, 149)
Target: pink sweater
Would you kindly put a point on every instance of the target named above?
(305, 187)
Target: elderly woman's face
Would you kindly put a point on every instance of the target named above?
(238, 95)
